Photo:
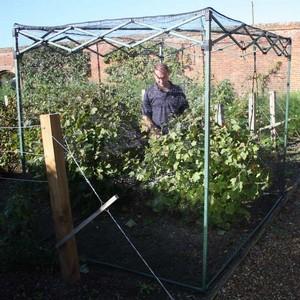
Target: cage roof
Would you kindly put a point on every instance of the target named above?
(131, 32)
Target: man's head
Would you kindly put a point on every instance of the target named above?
(161, 75)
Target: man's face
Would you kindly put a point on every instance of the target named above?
(161, 78)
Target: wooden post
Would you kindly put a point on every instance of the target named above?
(272, 99)
(219, 114)
(59, 195)
(5, 100)
(143, 94)
(252, 112)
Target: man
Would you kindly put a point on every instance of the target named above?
(162, 101)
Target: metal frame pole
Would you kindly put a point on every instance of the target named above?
(207, 60)
(287, 100)
(19, 101)
(161, 52)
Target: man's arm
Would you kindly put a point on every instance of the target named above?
(147, 124)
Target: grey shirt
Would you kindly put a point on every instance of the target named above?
(160, 105)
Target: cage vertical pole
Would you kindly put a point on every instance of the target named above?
(252, 112)
(207, 60)
(287, 100)
(19, 100)
(98, 64)
(161, 52)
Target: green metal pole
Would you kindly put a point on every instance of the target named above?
(19, 101)
(207, 62)
(287, 100)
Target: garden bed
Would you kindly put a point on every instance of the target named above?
(100, 282)
(171, 245)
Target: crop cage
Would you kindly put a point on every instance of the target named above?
(205, 30)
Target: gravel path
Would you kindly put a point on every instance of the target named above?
(271, 269)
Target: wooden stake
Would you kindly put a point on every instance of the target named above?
(252, 112)
(219, 114)
(5, 100)
(59, 195)
(143, 94)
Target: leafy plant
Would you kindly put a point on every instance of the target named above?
(9, 135)
(223, 93)
(173, 168)
(145, 289)
(20, 242)
(101, 125)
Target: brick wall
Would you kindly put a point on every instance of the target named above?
(6, 60)
(233, 64)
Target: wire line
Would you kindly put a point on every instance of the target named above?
(67, 149)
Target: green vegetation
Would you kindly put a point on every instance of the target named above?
(22, 238)
(101, 123)
(173, 167)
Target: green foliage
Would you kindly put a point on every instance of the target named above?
(173, 168)
(132, 71)
(224, 93)
(294, 113)
(47, 75)
(101, 123)
(9, 137)
(136, 65)
(263, 80)
(101, 129)
(145, 289)
(20, 239)
(52, 67)
(237, 174)
(6, 90)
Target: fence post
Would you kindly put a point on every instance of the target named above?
(5, 100)
(219, 114)
(272, 101)
(59, 195)
(252, 112)
(143, 94)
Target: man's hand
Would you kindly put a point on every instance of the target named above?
(148, 127)
(154, 131)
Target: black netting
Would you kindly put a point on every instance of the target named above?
(130, 32)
